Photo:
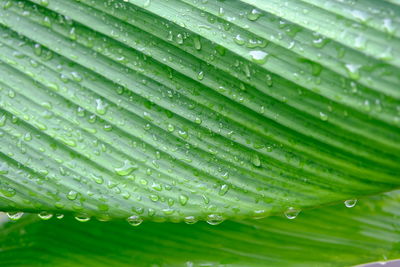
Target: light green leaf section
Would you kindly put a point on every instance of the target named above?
(332, 236)
(174, 110)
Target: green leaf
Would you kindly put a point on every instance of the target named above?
(332, 236)
(167, 110)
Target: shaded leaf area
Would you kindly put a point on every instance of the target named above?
(178, 109)
(333, 236)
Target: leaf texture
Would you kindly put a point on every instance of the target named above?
(173, 109)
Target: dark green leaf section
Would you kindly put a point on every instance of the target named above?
(172, 109)
(333, 236)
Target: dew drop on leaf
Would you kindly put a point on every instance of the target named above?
(239, 40)
(350, 203)
(291, 213)
(82, 218)
(214, 219)
(353, 71)
(255, 160)
(254, 14)
(45, 215)
(183, 199)
(14, 215)
(126, 169)
(44, 2)
(323, 116)
(258, 56)
(134, 220)
(190, 220)
(223, 189)
(197, 43)
(101, 107)
(72, 195)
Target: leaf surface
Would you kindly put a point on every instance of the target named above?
(172, 109)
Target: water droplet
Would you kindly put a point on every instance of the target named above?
(183, 134)
(221, 12)
(153, 197)
(255, 160)
(200, 75)
(360, 42)
(197, 43)
(72, 195)
(190, 220)
(101, 106)
(214, 219)
(353, 71)
(76, 76)
(183, 199)
(126, 169)
(359, 15)
(319, 41)
(223, 189)
(82, 218)
(45, 215)
(46, 22)
(14, 215)
(168, 211)
(323, 116)
(197, 120)
(259, 214)
(37, 49)
(258, 56)
(254, 14)
(170, 128)
(44, 2)
(388, 26)
(291, 213)
(97, 179)
(350, 203)
(8, 192)
(387, 54)
(135, 220)
(28, 137)
(239, 40)
(147, 3)
(179, 38)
